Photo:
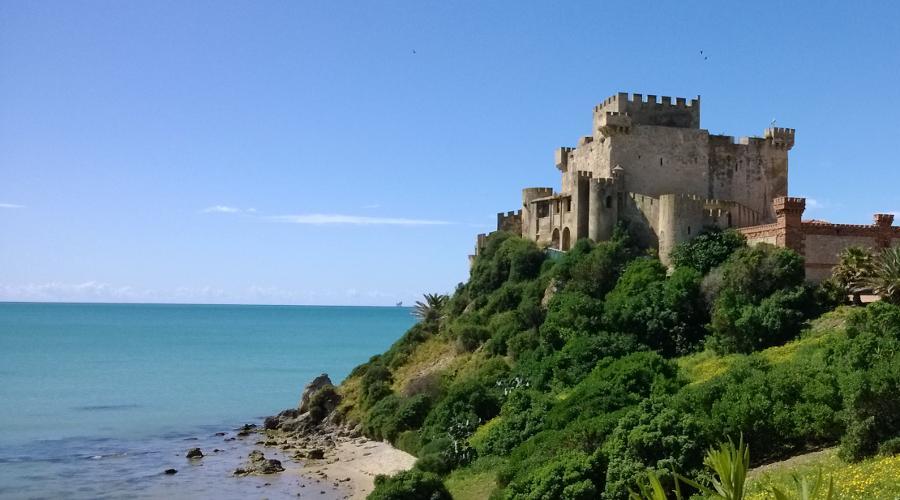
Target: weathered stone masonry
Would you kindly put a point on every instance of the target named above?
(648, 164)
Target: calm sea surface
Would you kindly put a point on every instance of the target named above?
(96, 400)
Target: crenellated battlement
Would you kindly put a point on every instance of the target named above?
(604, 182)
(663, 112)
(780, 137)
(510, 221)
(884, 220)
(534, 193)
(561, 158)
(622, 98)
(613, 122)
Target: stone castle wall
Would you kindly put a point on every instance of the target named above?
(819, 242)
(648, 164)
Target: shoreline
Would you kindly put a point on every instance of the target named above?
(315, 436)
(348, 466)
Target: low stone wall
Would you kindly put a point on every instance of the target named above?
(821, 242)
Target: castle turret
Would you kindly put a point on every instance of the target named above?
(529, 218)
(603, 208)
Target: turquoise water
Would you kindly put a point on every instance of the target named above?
(86, 389)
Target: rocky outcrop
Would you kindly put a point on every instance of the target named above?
(549, 292)
(312, 388)
(258, 464)
(318, 402)
(194, 453)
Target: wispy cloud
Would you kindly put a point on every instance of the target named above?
(359, 220)
(222, 209)
(815, 203)
(371, 206)
(11, 205)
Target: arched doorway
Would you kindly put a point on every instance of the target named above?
(566, 239)
(554, 240)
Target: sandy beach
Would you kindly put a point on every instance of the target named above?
(353, 465)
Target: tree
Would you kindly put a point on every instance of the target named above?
(853, 270)
(761, 299)
(431, 310)
(665, 313)
(707, 250)
(884, 279)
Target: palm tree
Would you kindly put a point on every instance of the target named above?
(885, 277)
(431, 310)
(853, 271)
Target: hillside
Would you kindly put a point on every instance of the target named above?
(572, 377)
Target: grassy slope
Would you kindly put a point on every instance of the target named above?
(478, 481)
(877, 477)
(874, 478)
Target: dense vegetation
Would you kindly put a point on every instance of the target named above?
(571, 377)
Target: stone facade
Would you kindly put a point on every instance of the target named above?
(821, 242)
(648, 165)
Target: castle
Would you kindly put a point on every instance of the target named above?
(649, 166)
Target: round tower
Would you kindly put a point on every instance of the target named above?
(603, 209)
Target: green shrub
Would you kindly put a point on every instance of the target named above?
(580, 355)
(569, 315)
(409, 485)
(467, 403)
(615, 384)
(409, 441)
(323, 402)
(656, 435)
(890, 447)
(438, 456)
(574, 475)
(761, 300)
(594, 272)
(505, 298)
(505, 257)
(522, 416)
(869, 363)
(666, 314)
(469, 336)
(708, 250)
(791, 406)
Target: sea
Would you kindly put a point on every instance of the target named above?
(98, 400)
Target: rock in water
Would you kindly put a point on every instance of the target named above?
(169, 472)
(194, 453)
(311, 388)
(259, 464)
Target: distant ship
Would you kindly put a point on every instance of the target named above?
(399, 304)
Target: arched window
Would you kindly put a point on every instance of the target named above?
(554, 240)
(609, 202)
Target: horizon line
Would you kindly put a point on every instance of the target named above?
(66, 302)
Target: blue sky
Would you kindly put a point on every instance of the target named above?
(348, 152)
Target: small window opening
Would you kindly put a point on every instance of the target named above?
(609, 202)
(689, 229)
(660, 161)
